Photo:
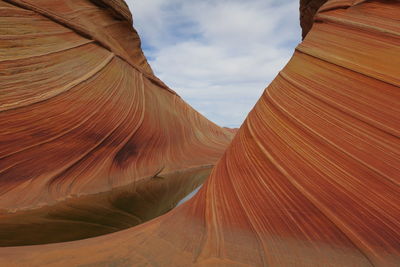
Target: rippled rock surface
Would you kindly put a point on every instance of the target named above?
(82, 115)
(310, 179)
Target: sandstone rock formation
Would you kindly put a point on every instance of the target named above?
(310, 179)
(308, 9)
(82, 113)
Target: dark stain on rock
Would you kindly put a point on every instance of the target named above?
(308, 9)
(127, 152)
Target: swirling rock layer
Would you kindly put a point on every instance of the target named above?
(310, 179)
(81, 111)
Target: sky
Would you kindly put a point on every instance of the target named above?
(218, 55)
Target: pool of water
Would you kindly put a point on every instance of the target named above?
(102, 213)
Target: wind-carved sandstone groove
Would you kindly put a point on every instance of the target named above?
(310, 179)
(83, 117)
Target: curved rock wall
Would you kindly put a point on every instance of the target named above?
(81, 111)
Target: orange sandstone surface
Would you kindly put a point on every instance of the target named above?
(310, 179)
(81, 114)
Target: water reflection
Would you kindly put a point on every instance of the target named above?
(102, 213)
(189, 196)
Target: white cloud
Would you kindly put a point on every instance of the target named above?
(219, 55)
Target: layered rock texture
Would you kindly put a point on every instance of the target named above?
(310, 179)
(82, 113)
(308, 9)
